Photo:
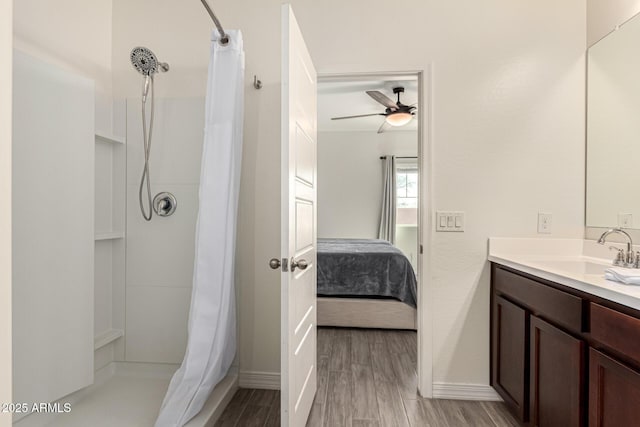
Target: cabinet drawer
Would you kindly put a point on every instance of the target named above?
(616, 330)
(550, 303)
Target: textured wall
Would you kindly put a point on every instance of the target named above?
(350, 179)
(604, 15)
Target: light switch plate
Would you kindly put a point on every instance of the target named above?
(625, 220)
(449, 221)
(544, 222)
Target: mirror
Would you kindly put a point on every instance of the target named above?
(613, 129)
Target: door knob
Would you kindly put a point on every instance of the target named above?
(274, 263)
(301, 264)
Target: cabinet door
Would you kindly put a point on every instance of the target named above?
(614, 392)
(509, 355)
(557, 367)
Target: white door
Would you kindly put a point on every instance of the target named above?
(299, 130)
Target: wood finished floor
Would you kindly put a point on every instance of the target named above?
(367, 378)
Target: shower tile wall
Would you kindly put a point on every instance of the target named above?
(160, 253)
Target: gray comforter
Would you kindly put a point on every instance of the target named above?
(364, 268)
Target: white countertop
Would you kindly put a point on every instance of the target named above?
(578, 264)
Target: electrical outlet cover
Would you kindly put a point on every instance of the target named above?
(625, 220)
(544, 222)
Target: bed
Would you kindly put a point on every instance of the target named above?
(365, 283)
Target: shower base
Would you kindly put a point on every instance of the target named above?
(129, 395)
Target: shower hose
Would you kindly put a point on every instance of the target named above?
(146, 138)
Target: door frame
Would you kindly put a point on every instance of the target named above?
(425, 207)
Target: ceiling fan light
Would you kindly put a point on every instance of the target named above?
(399, 118)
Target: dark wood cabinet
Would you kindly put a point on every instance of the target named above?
(557, 375)
(510, 376)
(614, 392)
(562, 357)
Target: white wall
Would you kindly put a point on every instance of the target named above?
(53, 225)
(604, 15)
(72, 34)
(508, 134)
(350, 179)
(77, 36)
(160, 253)
(6, 68)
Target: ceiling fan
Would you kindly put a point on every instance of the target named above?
(396, 113)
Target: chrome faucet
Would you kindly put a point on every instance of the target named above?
(629, 259)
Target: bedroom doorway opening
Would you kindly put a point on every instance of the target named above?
(369, 229)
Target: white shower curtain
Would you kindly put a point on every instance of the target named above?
(211, 345)
(387, 229)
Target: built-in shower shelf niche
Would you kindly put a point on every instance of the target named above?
(103, 137)
(107, 337)
(111, 235)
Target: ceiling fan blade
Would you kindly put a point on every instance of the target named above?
(382, 99)
(383, 127)
(353, 117)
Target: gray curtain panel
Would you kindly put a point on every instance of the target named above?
(387, 230)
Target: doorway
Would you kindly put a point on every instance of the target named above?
(351, 167)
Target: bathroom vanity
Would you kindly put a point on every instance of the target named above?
(565, 343)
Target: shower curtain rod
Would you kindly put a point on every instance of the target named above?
(224, 38)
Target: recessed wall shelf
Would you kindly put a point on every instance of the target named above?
(110, 235)
(107, 337)
(109, 138)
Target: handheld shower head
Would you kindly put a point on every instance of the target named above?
(147, 64)
(145, 61)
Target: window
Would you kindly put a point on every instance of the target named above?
(407, 187)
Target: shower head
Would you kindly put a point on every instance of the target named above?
(146, 62)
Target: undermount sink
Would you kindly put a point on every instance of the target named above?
(577, 266)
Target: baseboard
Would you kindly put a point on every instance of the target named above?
(262, 380)
(459, 391)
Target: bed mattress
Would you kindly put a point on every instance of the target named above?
(365, 268)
